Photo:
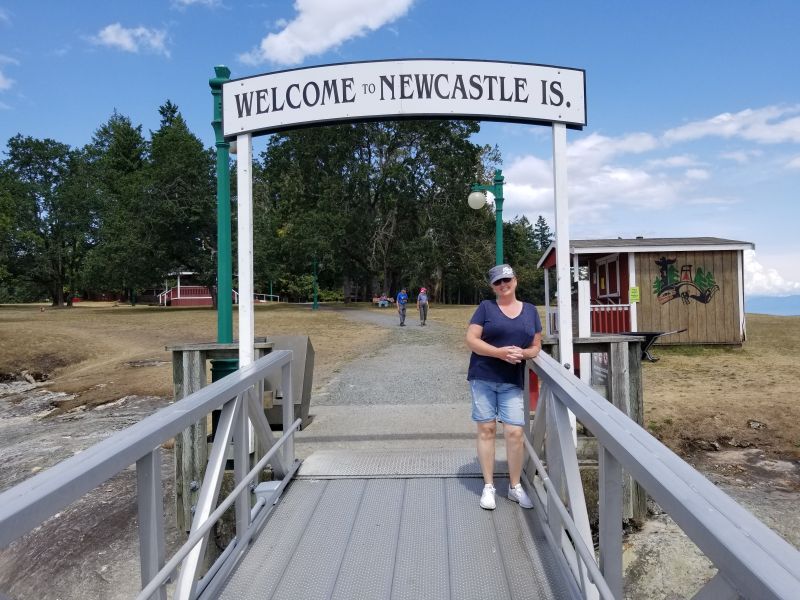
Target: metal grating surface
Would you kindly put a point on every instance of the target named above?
(396, 538)
(337, 464)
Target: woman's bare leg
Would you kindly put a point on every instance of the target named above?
(514, 451)
(486, 436)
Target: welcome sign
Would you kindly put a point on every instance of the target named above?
(425, 88)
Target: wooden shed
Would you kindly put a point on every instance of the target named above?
(659, 284)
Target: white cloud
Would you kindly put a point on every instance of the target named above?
(741, 156)
(4, 106)
(673, 161)
(761, 281)
(185, 3)
(5, 81)
(597, 149)
(794, 163)
(4, 18)
(768, 125)
(321, 25)
(697, 174)
(133, 39)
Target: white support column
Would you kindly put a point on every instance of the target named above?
(562, 245)
(585, 327)
(632, 283)
(562, 255)
(548, 326)
(244, 163)
(740, 274)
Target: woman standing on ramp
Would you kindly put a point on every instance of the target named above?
(502, 334)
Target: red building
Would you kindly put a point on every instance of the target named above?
(658, 284)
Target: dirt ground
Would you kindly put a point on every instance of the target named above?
(696, 398)
(729, 411)
(104, 351)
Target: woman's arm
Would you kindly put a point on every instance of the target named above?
(533, 350)
(510, 354)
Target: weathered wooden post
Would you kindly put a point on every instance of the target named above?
(189, 368)
(623, 388)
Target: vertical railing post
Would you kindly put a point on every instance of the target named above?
(610, 534)
(151, 519)
(241, 461)
(288, 411)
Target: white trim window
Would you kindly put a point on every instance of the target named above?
(606, 277)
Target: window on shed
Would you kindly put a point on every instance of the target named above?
(607, 277)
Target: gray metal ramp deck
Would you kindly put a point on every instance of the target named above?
(372, 529)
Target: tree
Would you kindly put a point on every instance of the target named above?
(181, 194)
(381, 202)
(127, 250)
(55, 214)
(542, 237)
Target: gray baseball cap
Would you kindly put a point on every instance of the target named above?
(500, 272)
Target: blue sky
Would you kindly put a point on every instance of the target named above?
(693, 107)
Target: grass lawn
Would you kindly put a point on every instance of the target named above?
(91, 349)
(737, 397)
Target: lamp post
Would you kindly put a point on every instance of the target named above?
(477, 199)
(315, 304)
(223, 366)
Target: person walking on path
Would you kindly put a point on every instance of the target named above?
(402, 300)
(502, 334)
(422, 305)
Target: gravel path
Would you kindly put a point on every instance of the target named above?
(410, 392)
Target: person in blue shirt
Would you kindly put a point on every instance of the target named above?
(402, 300)
(502, 334)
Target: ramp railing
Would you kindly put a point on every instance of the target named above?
(239, 397)
(752, 561)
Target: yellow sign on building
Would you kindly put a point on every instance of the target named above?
(633, 294)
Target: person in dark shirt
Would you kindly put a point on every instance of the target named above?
(502, 334)
(422, 306)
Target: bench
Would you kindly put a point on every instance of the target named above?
(382, 303)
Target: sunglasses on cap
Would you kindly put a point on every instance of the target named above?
(502, 281)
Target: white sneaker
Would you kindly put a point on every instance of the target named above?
(487, 497)
(517, 494)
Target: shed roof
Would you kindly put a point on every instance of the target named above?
(642, 244)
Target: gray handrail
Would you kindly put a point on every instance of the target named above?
(197, 536)
(586, 555)
(34, 500)
(755, 560)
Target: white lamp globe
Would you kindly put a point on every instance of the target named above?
(476, 200)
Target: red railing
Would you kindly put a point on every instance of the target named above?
(610, 318)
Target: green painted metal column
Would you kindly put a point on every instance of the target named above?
(223, 366)
(315, 303)
(497, 190)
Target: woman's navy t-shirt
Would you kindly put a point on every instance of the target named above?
(500, 330)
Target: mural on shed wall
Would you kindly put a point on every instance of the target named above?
(672, 284)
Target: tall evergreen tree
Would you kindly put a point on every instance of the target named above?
(542, 237)
(126, 256)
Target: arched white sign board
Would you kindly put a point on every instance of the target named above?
(463, 89)
(403, 89)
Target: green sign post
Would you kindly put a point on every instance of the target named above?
(497, 190)
(223, 366)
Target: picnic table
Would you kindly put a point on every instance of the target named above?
(650, 338)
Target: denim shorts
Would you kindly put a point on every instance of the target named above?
(501, 401)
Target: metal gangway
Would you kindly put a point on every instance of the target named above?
(407, 525)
